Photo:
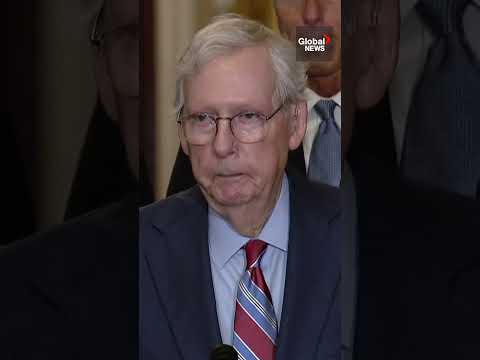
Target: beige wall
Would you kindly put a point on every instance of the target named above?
(173, 27)
(175, 22)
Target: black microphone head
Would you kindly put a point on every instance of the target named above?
(224, 352)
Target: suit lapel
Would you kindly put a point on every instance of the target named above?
(182, 276)
(312, 275)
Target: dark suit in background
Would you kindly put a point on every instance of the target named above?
(72, 292)
(418, 255)
(17, 134)
(372, 148)
(17, 198)
(178, 314)
(103, 175)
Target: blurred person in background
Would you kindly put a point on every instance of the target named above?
(111, 165)
(417, 255)
(72, 292)
(425, 128)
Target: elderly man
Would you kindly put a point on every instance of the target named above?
(249, 256)
(319, 155)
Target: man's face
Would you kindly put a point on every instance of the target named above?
(293, 13)
(120, 26)
(118, 70)
(231, 173)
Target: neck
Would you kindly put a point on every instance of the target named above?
(326, 86)
(249, 219)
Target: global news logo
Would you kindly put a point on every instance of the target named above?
(314, 43)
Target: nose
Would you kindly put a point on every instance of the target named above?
(313, 12)
(223, 143)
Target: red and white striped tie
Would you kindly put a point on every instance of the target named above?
(255, 329)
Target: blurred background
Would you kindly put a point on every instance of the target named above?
(50, 99)
(68, 151)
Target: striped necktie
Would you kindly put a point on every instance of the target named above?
(255, 329)
(441, 147)
(325, 163)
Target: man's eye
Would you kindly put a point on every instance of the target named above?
(201, 117)
(250, 115)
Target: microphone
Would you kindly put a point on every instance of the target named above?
(224, 352)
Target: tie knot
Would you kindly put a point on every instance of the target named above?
(443, 16)
(325, 108)
(254, 250)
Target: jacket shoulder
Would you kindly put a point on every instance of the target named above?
(322, 199)
(173, 208)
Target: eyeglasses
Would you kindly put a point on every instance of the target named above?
(247, 127)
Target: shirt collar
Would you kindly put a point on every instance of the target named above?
(224, 241)
(312, 98)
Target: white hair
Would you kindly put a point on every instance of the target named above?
(229, 33)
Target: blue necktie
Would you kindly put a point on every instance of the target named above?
(255, 328)
(325, 163)
(442, 146)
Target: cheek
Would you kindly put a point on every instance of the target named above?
(268, 159)
(202, 163)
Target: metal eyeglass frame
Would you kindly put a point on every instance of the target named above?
(230, 119)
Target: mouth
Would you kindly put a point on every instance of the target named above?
(230, 176)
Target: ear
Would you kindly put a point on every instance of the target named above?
(183, 140)
(297, 124)
(379, 50)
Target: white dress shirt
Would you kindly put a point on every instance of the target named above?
(314, 119)
(415, 41)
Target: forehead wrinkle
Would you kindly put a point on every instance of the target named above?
(224, 91)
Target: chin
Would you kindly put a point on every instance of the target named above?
(231, 202)
(322, 69)
(233, 193)
(232, 197)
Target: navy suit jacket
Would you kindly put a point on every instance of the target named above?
(178, 317)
